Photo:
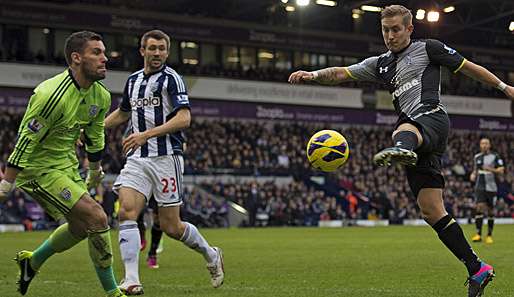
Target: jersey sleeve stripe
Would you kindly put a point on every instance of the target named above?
(178, 81)
(17, 148)
(56, 91)
(20, 150)
(460, 66)
(57, 99)
(349, 73)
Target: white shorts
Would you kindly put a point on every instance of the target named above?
(158, 176)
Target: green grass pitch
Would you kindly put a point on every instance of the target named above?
(357, 262)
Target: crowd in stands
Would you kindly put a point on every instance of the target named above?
(257, 148)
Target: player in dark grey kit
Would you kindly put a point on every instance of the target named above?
(487, 165)
(411, 71)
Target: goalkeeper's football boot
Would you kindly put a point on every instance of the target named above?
(216, 269)
(476, 238)
(489, 239)
(479, 280)
(26, 273)
(131, 289)
(395, 155)
(117, 293)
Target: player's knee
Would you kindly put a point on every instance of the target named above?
(98, 218)
(409, 127)
(430, 216)
(173, 230)
(127, 213)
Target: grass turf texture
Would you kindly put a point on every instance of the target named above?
(359, 262)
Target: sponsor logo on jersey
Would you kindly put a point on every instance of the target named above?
(66, 194)
(34, 125)
(93, 111)
(405, 87)
(145, 102)
(383, 69)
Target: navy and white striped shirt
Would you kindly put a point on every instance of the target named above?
(153, 99)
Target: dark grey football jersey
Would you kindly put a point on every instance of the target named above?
(486, 180)
(413, 76)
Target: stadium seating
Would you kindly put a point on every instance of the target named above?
(257, 148)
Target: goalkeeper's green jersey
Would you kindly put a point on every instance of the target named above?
(56, 112)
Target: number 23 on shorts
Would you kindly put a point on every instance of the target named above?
(169, 184)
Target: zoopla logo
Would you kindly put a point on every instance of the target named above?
(145, 102)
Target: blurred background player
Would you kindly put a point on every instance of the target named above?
(155, 98)
(44, 163)
(487, 165)
(411, 71)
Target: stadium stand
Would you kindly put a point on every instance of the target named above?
(258, 148)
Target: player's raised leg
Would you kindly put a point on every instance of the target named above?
(132, 203)
(187, 233)
(406, 139)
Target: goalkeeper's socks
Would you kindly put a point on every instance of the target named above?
(406, 140)
(59, 241)
(106, 277)
(43, 252)
(452, 236)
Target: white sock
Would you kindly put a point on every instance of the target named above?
(193, 239)
(130, 243)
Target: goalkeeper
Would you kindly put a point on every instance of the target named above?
(44, 163)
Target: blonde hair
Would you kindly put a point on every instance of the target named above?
(394, 10)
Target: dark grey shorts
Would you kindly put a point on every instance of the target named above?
(434, 125)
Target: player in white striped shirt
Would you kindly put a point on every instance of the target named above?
(155, 99)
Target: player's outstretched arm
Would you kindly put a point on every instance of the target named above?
(484, 76)
(116, 118)
(326, 76)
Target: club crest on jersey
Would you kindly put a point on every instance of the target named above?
(145, 102)
(93, 110)
(34, 125)
(450, 50)
(409, 59)
(66, 194)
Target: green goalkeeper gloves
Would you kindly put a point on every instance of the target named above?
(94, 177)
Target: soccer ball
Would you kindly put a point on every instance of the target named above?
(327, 150)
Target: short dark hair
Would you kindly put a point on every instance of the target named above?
(394, 10)
(155, 34)
(76, 42)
